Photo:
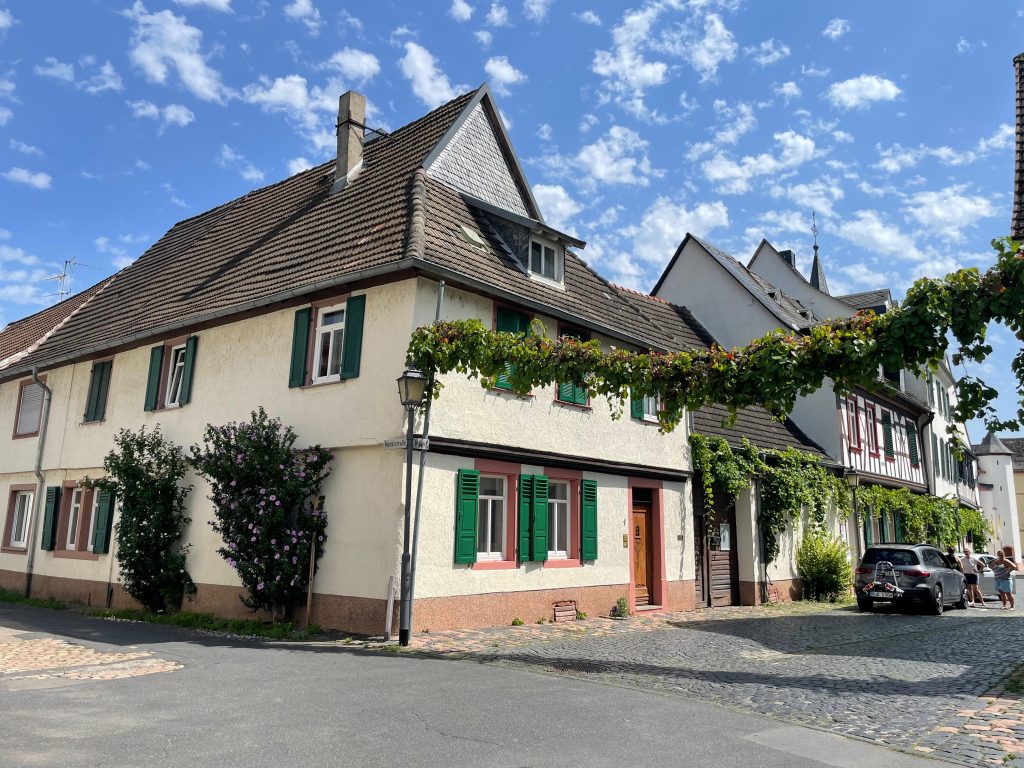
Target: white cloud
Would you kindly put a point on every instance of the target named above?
(58, 70)
(178, 114)
(619, 157)
(733, 177)
(224, 6)
(627, 73)
(141, 109)
(5, 116)
(502, 74)
(767, 53)
(718, 45)
(963, 46)
(5, 234)
(229, 158)
(869, 231)
(788, 91)
(106, 79)
(781, 221)
(429, 83)
(25, 149)
(497, 16)
(356, 65)
(544, 132)
(587, 122)
(589, 17)
(460, 10)
(6, 19)
(896, 158)
(861, 91)
(536, 10)
(104, 245)
(818, 196)
(865, 278)
(813, 70)
(297, 165)
(836, 29)
(38, 180)
(556, 204)
(948, 211)
(665, 223)
(1001, 139)
(162, 41)
(306, 12)
(484, 38)
(842, 137)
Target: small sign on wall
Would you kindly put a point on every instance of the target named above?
(724, 537)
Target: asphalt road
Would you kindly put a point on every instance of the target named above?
(252, 705)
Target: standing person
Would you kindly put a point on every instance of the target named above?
(971, 569)
(1003, 570)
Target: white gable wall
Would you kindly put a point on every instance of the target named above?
(773, 268)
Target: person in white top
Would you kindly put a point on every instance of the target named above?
(971, 569)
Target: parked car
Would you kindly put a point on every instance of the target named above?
(908, 574)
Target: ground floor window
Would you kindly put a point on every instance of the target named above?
(491, 518)
(558, 520)
(74, 517)
(22, 513)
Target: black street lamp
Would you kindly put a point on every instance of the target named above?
(853, 481)
(411, 386)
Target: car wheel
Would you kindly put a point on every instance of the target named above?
(937, 605)
(961, 604)
(864, 604)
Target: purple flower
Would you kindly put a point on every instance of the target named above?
(259, 585)
(286, 547)
(295, 560)
(277, 555)
(273, 497)
(234, 483)
(273, 541)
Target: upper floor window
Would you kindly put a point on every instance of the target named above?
(171, 366)
(852, 424)
(545, 260)
(175, 377)
(872, 427)
(30, 410)
(330, 337)
(99, 384)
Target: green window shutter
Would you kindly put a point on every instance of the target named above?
(99, 382)
(867, 531)
(897, 523)
(510, 321)
(466, 510)
(300, 347)
(539, 523)
(915, 458)
(188, 370)
(572, 393)
(887, 434)
(156, 363)
(883, 529)
(51, 512)
(525, 516)
(588, 520)
(352, 346)
(104, 523)
(935, 453)
(636, 406)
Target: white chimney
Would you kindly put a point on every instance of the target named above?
(351, 120)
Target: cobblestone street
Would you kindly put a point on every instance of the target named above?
(921, 684)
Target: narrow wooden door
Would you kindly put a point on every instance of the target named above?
(642, 564)
(700, 551)
(723, 565)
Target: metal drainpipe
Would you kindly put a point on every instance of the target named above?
(44, 419)
(422, 466)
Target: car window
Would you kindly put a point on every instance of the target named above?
(935, 559)
(895, 556)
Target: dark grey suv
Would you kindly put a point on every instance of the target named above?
(905, 574)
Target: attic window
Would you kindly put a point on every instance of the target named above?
(546, 260)
(472, 237)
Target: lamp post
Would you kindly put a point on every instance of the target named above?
(411, 386)
(853, 480)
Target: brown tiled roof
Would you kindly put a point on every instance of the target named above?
(1017, 222)
(1016, 446)
(867, 299)
(282, 239)
(682, 330)
(22, 337)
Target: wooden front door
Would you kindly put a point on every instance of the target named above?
(643, 567)
(723, 565)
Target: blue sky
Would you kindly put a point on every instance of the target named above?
(635, 123)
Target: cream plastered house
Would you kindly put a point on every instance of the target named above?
(301, 297)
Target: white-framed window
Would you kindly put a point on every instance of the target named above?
(22, 514)
(546, 260)
(74, 516)
(330, 335)
(490, 544)
(651, 407)
(558, 520)
(175, 375)
(92, 518)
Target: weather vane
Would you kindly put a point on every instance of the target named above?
(814, 231)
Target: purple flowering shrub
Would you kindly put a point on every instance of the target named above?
(265, 499)
(144, 472)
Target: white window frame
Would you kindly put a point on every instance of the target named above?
(487, 500)
(558, 261)
(558, 507)
(327, 331)
(175, 376)
(75, 517)
(651, 408)
(29, 497)
(92, 518)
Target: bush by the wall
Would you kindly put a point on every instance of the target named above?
(824, 568)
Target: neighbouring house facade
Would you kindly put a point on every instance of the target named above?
(301, 297)
(997, 483)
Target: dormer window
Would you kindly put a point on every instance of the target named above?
(546, 260)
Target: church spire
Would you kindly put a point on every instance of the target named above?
(817, 271)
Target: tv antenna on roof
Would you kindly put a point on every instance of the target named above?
(62, 278)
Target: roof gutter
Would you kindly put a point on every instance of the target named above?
(44, 419)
